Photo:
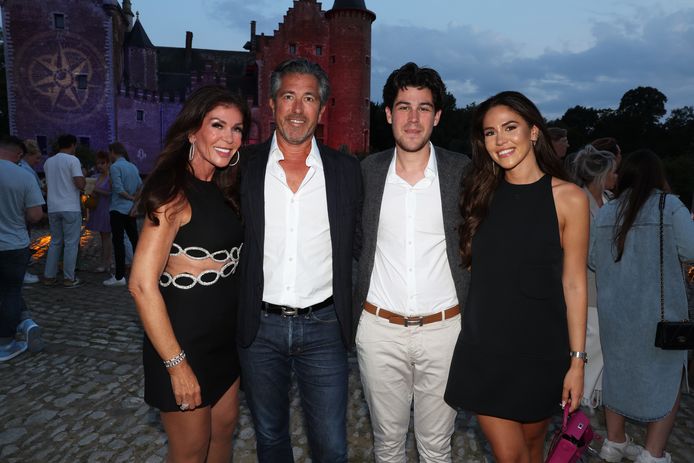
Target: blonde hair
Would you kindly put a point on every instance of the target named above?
(31, 147)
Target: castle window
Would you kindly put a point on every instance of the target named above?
(332, 59)
(59, 21)
(368, 60)
(81, 81)
(332, 101)
(366, 101)
(292, 49)
(85, 141)
(140, 115)
(319, 50)
(42, 141)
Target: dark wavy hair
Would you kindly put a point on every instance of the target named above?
(169, 179)
(411, 75)
(483, 177)
(639, 174)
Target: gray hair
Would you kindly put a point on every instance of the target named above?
(300, 66)
(591, 165)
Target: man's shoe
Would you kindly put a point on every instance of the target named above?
(646, 457)
(113, 281)
(76, 283)
(50, 281)
(11, 350)
(614, 452)
(30, 278)
(31, 332)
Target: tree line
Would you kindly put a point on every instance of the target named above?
(638, 122)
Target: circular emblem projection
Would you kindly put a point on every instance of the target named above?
(61, 74)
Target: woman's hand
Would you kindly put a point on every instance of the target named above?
(573, 384)
(185, 386)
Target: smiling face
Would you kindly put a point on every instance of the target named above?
(297, 109)
(507, 137)
(218, 138)
(413, 118)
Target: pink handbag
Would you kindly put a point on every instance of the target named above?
(571, 441)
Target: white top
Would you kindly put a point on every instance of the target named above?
(297, 262)
(19, 191)
(411, 274)
(63, 195)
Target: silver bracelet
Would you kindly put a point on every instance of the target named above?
(579, 355)
(173, 361)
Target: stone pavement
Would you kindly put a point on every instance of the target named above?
(80, 400)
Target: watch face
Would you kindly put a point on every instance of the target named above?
(60, 73)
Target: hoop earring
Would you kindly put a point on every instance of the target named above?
(534, 143)
(191, 152)
(494, 168)
(238, 158)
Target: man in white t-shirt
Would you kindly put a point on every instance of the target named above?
(64, 180)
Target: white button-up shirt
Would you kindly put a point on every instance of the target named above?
(411, 274)
(297, 262)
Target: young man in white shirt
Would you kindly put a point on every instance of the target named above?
(64, 181)
(410, 284)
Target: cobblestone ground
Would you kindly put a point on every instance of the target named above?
(80, 400)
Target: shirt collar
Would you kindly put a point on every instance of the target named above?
(313, 159)
(430, 170)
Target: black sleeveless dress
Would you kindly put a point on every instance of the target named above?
(203, 309)
(513, 351)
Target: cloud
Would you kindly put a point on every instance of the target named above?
(646, 49)
(239, 13)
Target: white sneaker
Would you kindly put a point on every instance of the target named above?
(646, 457)
(613, 452)
(113, 281)
(30, 278)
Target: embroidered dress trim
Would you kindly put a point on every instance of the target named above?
(186, 280)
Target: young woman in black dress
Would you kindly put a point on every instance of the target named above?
(525, 239)
(184, 276)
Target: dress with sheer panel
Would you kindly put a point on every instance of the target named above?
(201, 305)
(513, 351)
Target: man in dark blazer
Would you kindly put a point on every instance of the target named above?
(410, 285)
(299, 202)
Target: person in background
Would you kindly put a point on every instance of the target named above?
(99, 218)
(560, 140)
(125, 185)
(594, 171)
(608, 144)
(64, 180)
(21, 202)
(640, 381)
(524, 237)
(185, 278)
(410, 284)
(29, 162)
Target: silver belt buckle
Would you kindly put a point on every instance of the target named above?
(414, 321)
(289, 311)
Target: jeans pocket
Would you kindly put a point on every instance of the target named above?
(324, 316)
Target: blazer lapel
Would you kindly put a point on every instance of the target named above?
(255, 174)
(332, 191)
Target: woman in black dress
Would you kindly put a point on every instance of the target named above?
(184, 276)
(525, 239)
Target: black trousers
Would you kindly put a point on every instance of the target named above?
(120, 224)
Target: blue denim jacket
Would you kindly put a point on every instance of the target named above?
(641, 381)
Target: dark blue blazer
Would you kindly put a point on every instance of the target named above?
(343, 190)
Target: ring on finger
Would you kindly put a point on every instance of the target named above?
(184, 407)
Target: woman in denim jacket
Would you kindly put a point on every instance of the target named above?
(640, 381)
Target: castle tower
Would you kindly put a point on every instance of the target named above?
(349, 68)
(140, 59)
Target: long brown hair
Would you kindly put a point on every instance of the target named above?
(639, 174)
(169, 178)
(483, 178)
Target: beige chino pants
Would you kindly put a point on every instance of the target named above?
(398, 365)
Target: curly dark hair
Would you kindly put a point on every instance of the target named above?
(169, 178)
(411, 75)
(483, 178)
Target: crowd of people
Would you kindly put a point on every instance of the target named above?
(512, 283)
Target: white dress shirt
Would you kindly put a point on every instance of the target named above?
(297, 260)
(411, 274)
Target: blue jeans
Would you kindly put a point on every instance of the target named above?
(13, 264)
(65, 228)
(311, 347)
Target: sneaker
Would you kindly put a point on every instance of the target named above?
(11, 350)
(614, 452)
(646, 457)
(113, 281)
(30, 278)
(49, 281)
(31, 332)
(72, 283)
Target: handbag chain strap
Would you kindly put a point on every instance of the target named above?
(661, 206)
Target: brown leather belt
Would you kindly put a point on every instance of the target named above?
(412, 321)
